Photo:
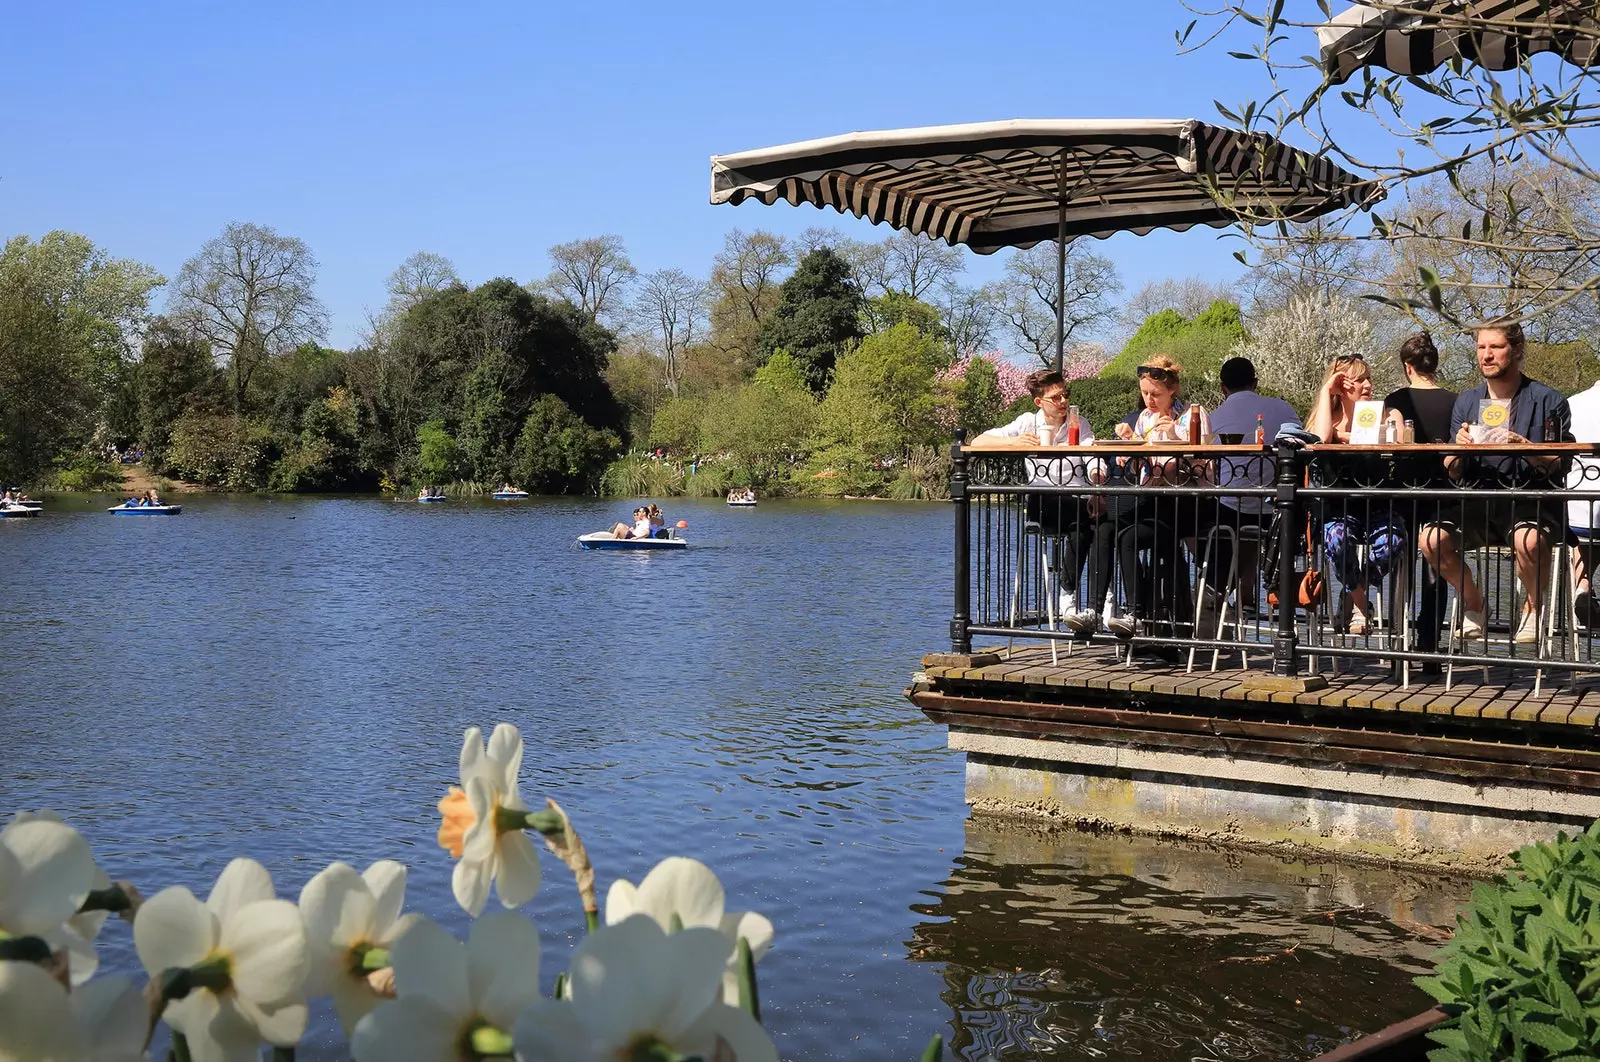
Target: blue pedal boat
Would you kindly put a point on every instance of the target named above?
(509, 495)
(605, 540)
(16, 512)
(146, 510)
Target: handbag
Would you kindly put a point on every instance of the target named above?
(1312, 586)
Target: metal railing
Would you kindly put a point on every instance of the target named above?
(1313, 558)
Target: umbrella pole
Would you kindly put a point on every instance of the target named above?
(1061, 265)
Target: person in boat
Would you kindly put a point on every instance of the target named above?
(152, 498)
(640, 528)
(658, 521)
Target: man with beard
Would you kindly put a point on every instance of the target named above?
(1535, 413)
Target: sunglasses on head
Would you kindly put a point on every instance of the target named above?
(1158, 374)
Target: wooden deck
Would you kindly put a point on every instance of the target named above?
(1489, 727)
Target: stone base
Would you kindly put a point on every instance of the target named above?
(1361, 814)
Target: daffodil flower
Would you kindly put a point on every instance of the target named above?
(684, 892)
(351, 922)
(102, 1021)
(243, 956)
(77, 933)
(638, 991)
(454, 1001)
(46, 872)
(483, 824)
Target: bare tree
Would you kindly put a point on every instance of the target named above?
(592, 274)
(1188, 295)
(673, 307)
(250, 293)
(420, 275)
(971, 316)
(1403, 130)
(1027, 296)
(918, 265)
(745, 276)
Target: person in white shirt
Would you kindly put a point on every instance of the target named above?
(1583, 517)
(1235, 420)
(1070, 518)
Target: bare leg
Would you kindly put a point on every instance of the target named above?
(1533, 565)
(621, 531)
(1440, 550)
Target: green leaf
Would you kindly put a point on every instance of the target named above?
(1546, 1036)
(934, 1051)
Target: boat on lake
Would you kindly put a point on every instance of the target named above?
(145, 510)
(430, 494)
(606, 540)
(742, 499)
(509, 495)
(19, 510)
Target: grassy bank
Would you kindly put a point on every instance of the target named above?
(925, 474)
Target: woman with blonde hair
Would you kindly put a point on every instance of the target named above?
(1348, 524)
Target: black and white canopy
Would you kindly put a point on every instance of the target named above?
(1419, 36)
(1015, 183)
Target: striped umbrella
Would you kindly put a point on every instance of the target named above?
(1016, 183)
(1419, 36)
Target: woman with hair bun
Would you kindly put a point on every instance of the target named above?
(1421, 401)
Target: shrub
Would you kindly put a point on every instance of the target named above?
(83, 471)
(639, 476)
(222, 451)
(1520, 977)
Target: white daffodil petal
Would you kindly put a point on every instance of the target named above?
(226, 1035)
(548, 1031)
(337, 907)
(397, 928)
(82, 958)
(416, 1029)
(243, 881)
(751, 926)
(749, 1041)
(386, 880)
(430, 962)
(622, 900)
(57, 871)
(683, 887)
(353, 999)
(505, 752)
(472, 759)
(519, 873)
(111, 1013)
(281, 1025)
(697, 959)
(173, 929)
(470, 883)
(267, 944)
(503, 966)
(632, 977)
(36, 1016)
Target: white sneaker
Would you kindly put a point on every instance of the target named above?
(1085, 621)
(1527, 629)
(1122, 626)
(1471, 625)
(1066, 604)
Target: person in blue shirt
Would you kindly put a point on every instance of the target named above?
(1501, 518)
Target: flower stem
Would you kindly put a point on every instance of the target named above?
(111, 898)
(283, 1054)
(180, 1048)
(24, 949)
(591, 919)
(748, 998)
(934, 1051)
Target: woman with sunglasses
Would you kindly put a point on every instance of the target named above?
(1147, 522)
(1348, 524)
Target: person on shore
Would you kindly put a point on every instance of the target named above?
(1069, 518)
(1533, 412)
(1350, 526)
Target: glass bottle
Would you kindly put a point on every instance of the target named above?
(1073, 431)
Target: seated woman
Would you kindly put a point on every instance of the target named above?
(1349, 523)
(1149, 522)
(640, 528)
(151, 497)
(658, 521)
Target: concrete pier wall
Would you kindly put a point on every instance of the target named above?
(1396, 817)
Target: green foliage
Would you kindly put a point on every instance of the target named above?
(1521, 978)
(326, 455)
(881, 401)
(1200, 345)
(438, 454)
(676, 426)
(817, 318)
(1568, 367)
(84, 471)
(640, 476)
(488, 415)
(175, 372)
(978, 399)
(761, 428)
(222, 450)
(558, 452)
(925, 475)
(896, 307)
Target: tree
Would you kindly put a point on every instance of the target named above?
(817, 317)
(69, 317)
(1027, 296)
(557, 452)
(249, 293)
(673, 307)
(744, 287)
(881, 401)
(971, 317)
(894, 307)
(1188, 296)
(420, 275)
(593, 274)
(174, 365)
(1401, 131)
(763, 425)
(1291, 347)
(918, 265)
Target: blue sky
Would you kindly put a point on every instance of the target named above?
(490, 131)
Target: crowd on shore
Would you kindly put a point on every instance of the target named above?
(1142, 534)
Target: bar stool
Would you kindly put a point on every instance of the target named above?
(1051, 578)
(1230, 590)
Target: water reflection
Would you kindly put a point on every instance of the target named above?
(1078, 945)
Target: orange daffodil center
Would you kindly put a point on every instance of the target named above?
(456, 811)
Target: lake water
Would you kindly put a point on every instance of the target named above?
(289, 678)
